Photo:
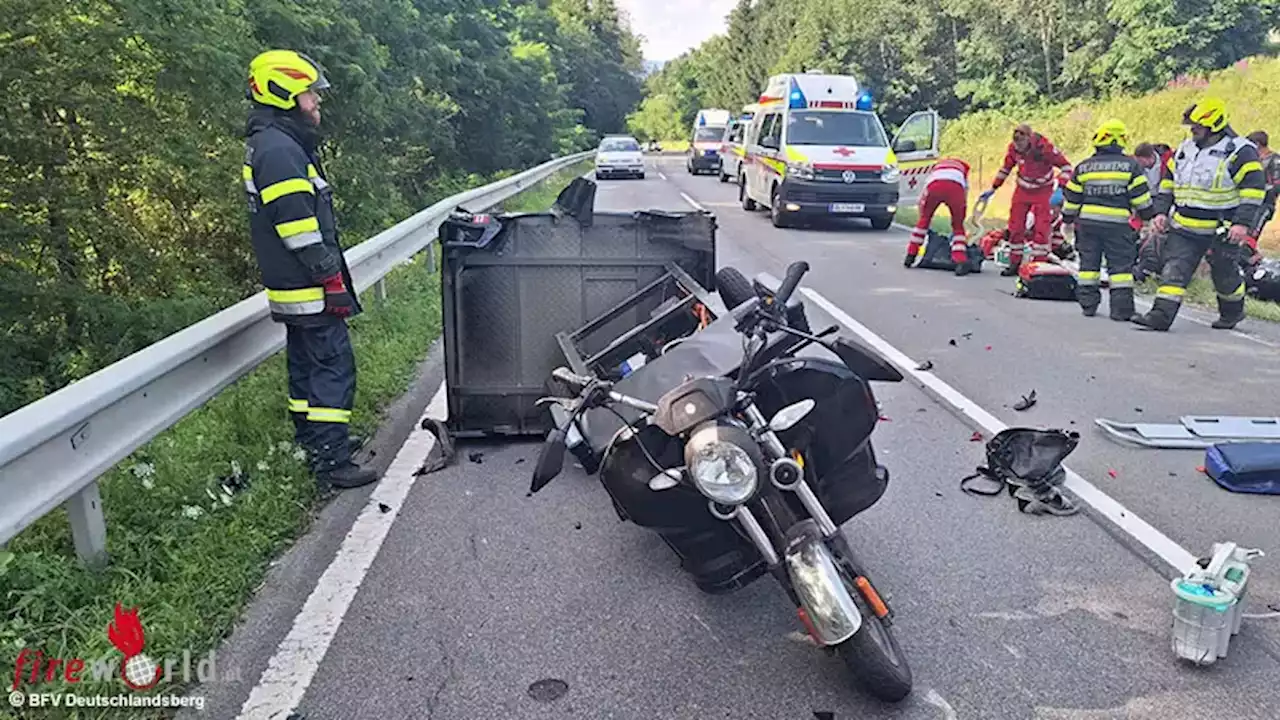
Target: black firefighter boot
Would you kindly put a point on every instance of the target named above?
(1230, 313)
(963, 268)
(1121, 304)
(1011, 269)
(909, 260)
(1160, 317)
(348, 475)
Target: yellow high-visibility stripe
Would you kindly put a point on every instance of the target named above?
(1122, 277)
(1193, 222)
(246, 172)
(297, 406)
(1074, 186)
(1090, 274)
(1245, 169)
(1137, 180)
(286, 187)
(1234, 294)
(296, 296)
(329, 415)
(297, 227)
(1141, 200)
(1109, 175)
(1070, 206)
(1253, 193)
(1171, 290)
(1104, 210)
(1166, 185)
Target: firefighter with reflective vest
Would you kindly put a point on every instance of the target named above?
(947, 184)
(1105, 191)
(1036, 160)
(295, 238)
(1214, 180)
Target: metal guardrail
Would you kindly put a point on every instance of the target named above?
(53, 450)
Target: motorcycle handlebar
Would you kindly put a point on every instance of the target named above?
(570, 377)
(795, 271)
(582, 381)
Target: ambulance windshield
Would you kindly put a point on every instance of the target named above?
(708, 133)
(820, 127)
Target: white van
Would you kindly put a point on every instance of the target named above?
(816, 148)
(733, 148)
(704, 141)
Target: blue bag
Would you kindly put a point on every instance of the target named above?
(1246, 467)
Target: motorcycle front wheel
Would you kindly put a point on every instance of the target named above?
(873, 656)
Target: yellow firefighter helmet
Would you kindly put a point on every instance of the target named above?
(1209, 113)
(278, 77)
(1111, 131)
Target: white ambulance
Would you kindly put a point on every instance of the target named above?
(704, 141)
(732, 148)
(816, 148)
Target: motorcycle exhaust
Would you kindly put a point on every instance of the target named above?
(833, 616)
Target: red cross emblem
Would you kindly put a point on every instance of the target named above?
(843, 152)
(912, 182)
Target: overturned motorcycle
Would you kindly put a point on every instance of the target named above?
(746, 458)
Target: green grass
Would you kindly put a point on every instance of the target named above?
(543, 195)
(181, 550)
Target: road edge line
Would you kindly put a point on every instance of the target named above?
(291, 669)
(1125, 520)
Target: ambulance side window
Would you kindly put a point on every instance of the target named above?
(771, 131)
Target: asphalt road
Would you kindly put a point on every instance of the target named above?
(479, 591)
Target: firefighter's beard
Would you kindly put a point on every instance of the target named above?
(1021, 143)
(1200, 134)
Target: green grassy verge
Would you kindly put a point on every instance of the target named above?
(185, 551)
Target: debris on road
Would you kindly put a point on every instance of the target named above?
(519, 461)
(1112, 473)
(577, 525)
(925, 366)
(952, 342)
(1034, 485)
(967, 336)
(476, 457)
(988, 347)
(1026, 403)
(882, 418)
(976, 437)
(548, 690)
(384, 508)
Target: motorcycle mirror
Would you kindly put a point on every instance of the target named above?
(787, 417)
(867, 363)
(550, 460)
(665, 480)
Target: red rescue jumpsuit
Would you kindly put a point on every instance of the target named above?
(1035, 187)
(947, 184)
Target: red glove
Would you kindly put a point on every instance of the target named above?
(1135, 222)
(337, 299)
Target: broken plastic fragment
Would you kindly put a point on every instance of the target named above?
(1026, 403)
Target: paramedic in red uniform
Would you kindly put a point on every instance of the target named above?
(947, 184)
(1036, 158)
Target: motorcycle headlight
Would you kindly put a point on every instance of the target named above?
(723, 472)
(800, 171)
(891, 174)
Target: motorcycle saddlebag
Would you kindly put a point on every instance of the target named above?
(937, 254)
(1045, 281)
(1246, 467)
(1263, 281)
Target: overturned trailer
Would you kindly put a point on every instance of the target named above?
(516, 295)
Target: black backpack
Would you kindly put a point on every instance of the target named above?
(937, 254)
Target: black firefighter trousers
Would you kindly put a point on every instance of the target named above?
(1182, 254)
(322, 390)
(1117, 243)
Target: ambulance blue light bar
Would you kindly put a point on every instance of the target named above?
(864, 100)
(796, 99)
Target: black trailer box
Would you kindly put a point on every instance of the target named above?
(504, 300)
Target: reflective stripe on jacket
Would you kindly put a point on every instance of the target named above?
(1206, 187)
(949, 170)
(1108, 187)
(291, 218)
(1035, 166)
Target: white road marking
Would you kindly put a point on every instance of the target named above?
(936, 700)
(696, 205)
(298, 656)
(1123, 518)
(662, 175)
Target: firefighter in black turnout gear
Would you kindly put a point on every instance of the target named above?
(1214, 180)
(295, 238)
(1101, 196)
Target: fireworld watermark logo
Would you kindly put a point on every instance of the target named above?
(137, 670)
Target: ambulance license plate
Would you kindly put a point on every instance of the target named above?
(848, 207)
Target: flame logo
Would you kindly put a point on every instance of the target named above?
(127, 635)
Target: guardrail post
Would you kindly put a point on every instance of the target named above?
(382, 289)
(88, 527)
(431, 257)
